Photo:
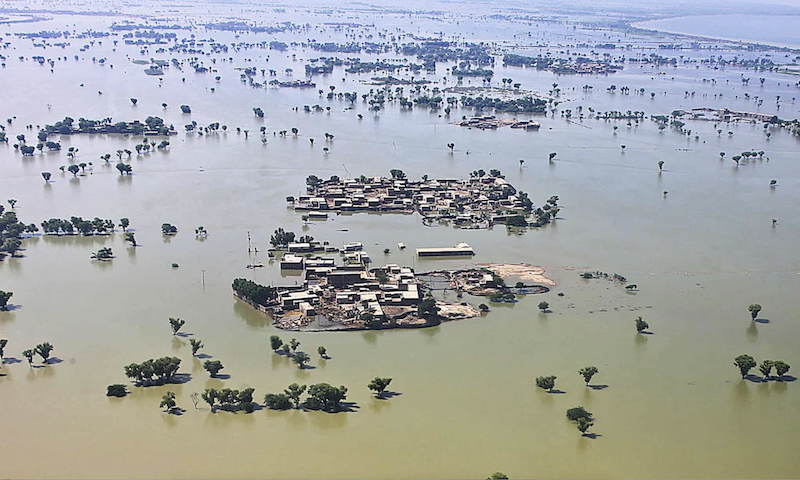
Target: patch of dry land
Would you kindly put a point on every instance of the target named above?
(522, 271)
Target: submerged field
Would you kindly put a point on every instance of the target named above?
(668, 404)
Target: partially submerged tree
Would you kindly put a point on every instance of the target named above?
(754, 310)
(43, 350)
(275, 342)
(766, 368)
(279, 401)
(116, 390)
(29, 355)
(196, 345)
(321, 350)
(547, 383)
(587, 373)
(294, 392)
(745, 363)
(378, 385)
(301, 358)
(4, 298)
(641, 325)
(323, 396)
(543, 306)
(176, 324)
(213, 367)
(168, 402)
(781, 368)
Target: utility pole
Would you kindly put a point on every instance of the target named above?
(248, 241)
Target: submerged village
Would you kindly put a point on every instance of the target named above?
(349, 295)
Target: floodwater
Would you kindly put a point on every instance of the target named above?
(780, 30)
(669, 404)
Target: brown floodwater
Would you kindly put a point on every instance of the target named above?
(668, 404)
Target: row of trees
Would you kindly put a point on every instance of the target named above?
(153, 372)
(98, 226)
(321, 396)
(745, 363)
(253, 292)
(42, 349)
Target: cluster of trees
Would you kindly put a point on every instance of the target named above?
(43, 350)
(282, 238)
(253, 292)
(102, 254)
(745, 363)
(582, 417)
(153, 372)
(528, 104)
(10, 231)
(97, 226)
(321, 396)
(290, 350)
(229, 400)
(67, 127)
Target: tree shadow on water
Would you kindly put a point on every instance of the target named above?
(184, 335)
(387, 395)
(556, 391)
(591, 436)
(11, 360)
(181, 378)
(598, 387)
(762, 320)
(754, 379)
(222, 376)
(203, 356)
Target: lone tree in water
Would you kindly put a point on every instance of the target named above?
(754, 309)
(547, 383)
(43, 350)
(168, 402)
(46, 176)
(29, 355)
(196, 345)
(588, 373)
(552, 156)
(124, 223)
(745, 363)
(213, 367)
(275, 342)
(176, 324)
(294, 344)
(660, 165)
(301, 358)
(543, 306)
(378, 385)
(4, 298)
(497, 476)
(322, 352)
(641, 325)
(3, 343)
